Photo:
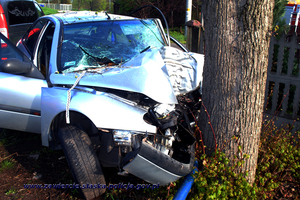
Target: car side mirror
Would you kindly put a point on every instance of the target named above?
(15, 66)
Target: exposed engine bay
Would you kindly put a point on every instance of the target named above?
(171, 145)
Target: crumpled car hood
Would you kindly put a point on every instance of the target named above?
(146, 73)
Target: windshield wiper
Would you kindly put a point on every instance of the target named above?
(95, 58)
(145, 49)
(84, 69)
(100, 61)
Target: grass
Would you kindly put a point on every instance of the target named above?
(7, 164)
(5, 137)
(49, 11)
(9, 139)
(11, 191)
(178, 36)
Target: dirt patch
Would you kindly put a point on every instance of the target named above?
(23, 161)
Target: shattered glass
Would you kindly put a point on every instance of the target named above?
(92, 46)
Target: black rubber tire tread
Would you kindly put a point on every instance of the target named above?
(82, 159)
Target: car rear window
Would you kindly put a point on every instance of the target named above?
(22, 12)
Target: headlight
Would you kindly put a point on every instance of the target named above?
(162, 110)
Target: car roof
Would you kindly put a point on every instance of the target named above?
(6, 1)
(88, 16)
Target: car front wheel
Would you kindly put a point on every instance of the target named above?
(82, 160)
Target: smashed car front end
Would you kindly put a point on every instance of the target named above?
(161, 156)
(140, 95)
(168, 154)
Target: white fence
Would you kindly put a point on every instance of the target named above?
(283, 81)
(63, 7)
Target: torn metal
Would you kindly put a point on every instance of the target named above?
(148, 91)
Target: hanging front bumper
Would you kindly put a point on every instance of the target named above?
(155, 167)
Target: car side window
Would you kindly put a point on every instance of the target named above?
(13, 61)
(32, 35)
(8, 51)
(44, 49)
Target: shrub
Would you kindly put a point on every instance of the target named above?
(219, 180)
(277, 174)
(278, 160)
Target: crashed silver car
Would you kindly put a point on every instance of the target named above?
(107, 89)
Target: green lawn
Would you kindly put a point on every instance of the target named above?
(49, 11)
(178, 36)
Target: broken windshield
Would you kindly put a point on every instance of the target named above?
(95, 45)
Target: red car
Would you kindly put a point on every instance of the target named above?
(17, 16)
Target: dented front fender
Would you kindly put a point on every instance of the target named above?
(105, 110)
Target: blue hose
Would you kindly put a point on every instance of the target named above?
(186, 186)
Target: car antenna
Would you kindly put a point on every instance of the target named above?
(108, 17)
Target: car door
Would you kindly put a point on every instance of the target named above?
(20, 90)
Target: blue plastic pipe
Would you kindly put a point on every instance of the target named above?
(187, 184)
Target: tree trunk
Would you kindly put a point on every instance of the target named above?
(91, 5)
(79, 3)
(237, 36)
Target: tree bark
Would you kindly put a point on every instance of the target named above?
(237, 36)
(79, 3)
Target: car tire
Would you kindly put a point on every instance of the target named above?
(82, 160)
